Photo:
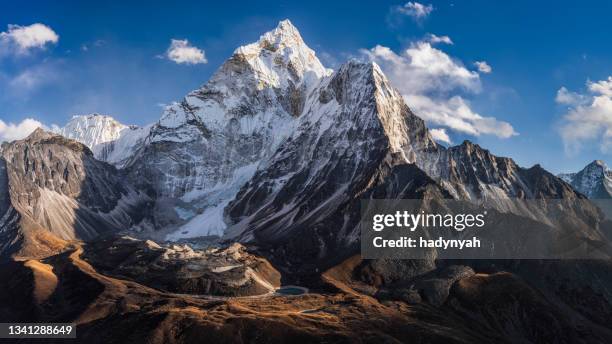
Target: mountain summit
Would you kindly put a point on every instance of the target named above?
(594, 180)
(108, 139)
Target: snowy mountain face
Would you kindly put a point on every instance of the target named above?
(353, 122)
(275, 142)
(108, 139)
(205, 147)
(358, 139)
(594, 181)
(92, 130)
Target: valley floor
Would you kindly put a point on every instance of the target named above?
(107, 309)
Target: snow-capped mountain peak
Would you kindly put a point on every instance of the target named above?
(108, 139)
(284, 34)
(600, 163)
(281, 55)
(594, 180)
(92, 129)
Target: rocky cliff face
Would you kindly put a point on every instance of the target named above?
(56, 188)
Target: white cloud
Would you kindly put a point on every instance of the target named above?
(422, 68)
(433, 39)
(566, 97)
(415, 10)
(181, 52)
(589, 117)
(26, 38)
(440, 134)
(456, 114)
(12, 131)
(432, 83)
(483, 67)
(603, 87)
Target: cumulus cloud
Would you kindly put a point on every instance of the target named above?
(483, 67)
(589, 116)
(422, 68)
(27, 38)
(433, 39)
(566, 97)
(415, 10)
(440, 134)
(456, 114)
(603, 87)
(12, 131)
(181, 52)
(432, 84)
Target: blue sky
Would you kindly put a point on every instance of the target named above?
(111, 58)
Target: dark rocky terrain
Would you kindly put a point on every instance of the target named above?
(180, 269)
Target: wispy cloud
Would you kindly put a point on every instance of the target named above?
(23, 39)
(181, 52)
(483, 67)
(433, 39)
(415, 10)
(433, 85)
(440, 134)
(589, 116)
(18, 131)
(96, 44)
(30, 79)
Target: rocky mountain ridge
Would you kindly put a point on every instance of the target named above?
(55, 190)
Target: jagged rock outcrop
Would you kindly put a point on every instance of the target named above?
(230, 271)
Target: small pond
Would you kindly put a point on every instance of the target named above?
(291, 290)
